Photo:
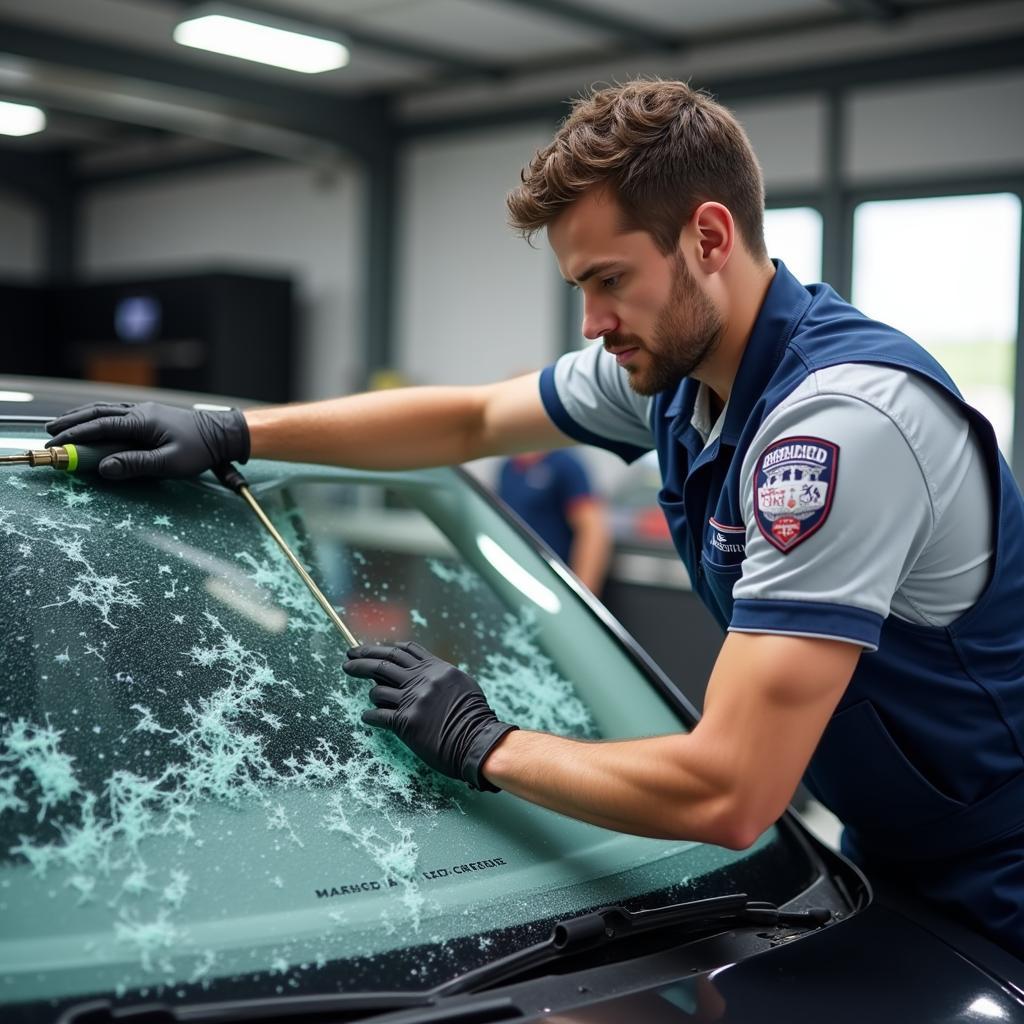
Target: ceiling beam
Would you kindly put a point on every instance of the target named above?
(872, 10)
(171, 165)
(588, 61)
(773, 27)
(989, 55)
(628, 32)
(362, 126)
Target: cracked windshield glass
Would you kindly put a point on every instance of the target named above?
(187, 793)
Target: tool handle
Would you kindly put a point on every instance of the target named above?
(85, 458)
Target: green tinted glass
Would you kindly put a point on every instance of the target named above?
(186, 789)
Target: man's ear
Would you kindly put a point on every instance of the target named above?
(713, 234)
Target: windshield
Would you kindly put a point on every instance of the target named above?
(187, 792)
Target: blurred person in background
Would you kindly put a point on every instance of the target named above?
(552, 494)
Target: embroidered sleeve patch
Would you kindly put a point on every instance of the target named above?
(794, 482)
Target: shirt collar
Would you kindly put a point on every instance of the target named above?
(784, 304)
(701, 420)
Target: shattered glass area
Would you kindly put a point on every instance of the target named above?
(187, 792)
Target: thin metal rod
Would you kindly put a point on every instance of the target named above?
(306, 578)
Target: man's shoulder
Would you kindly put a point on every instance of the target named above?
(876, 411)
(832, 331)
(910, 399)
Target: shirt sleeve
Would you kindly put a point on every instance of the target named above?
(588, 397)
(836, 509)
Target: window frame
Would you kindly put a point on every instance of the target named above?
(800, 200)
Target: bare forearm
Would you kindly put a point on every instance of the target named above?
(408, 428)
(589, 555)
(768, 702)
(401, 429)
(652, 787)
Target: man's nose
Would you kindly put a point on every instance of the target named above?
(598, 320)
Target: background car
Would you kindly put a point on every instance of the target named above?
(193, 816)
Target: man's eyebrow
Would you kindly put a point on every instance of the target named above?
(595, 268)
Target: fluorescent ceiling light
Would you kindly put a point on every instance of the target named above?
(20, 119)
(261, 38)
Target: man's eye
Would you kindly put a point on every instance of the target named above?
(610, 282)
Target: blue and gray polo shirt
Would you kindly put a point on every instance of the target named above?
(847, 491)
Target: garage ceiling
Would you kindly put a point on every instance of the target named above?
(120, 93)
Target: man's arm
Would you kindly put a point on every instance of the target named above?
(767, 704)
(408, 428)
(591, 541)
(402, 429)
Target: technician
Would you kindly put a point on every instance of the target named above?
(552, 494)
(842, 512)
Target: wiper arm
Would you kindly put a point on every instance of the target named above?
(612, 923)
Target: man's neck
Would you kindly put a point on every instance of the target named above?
(745, 286)
(715, 405)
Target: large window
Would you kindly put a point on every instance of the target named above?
(947, 272)
(793, 235)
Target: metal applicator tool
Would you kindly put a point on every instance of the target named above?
(86, 458)
(231, 478)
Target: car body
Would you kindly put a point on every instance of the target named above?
(194, 819)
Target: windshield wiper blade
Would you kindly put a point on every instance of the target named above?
(334, 1006)
(568, 937)
(610, 924)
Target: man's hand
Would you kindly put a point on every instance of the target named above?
(435, 709)
(158, 440)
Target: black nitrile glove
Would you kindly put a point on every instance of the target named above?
(159, 440)
(435, 709)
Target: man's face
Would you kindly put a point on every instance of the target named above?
(647, 306)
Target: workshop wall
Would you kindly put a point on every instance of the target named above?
(964, 125)
(476, 303)
(22, 239)
(269, 217)
(789, 139)
(472, 301)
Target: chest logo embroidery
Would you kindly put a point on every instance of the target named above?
(794, 484)
(724, 546)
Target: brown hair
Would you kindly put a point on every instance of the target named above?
(662, 147)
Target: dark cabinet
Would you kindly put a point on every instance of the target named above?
(226, 333)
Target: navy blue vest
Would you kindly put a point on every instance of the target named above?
(923, 759)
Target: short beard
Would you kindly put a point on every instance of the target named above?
(687, 331)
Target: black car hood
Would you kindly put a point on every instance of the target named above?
(877, 967)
